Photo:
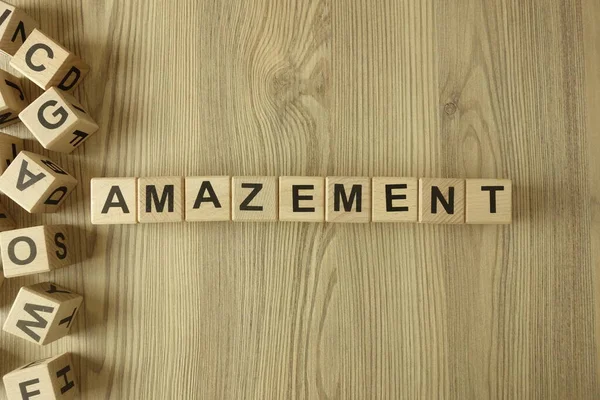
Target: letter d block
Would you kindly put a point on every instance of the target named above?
(36, 183)
(160, 199)
(12, 99)
(58, 121)
(52, 378)
(35, 250)
(48, 64)
(15, 26)
(42, 313)
(114, 201)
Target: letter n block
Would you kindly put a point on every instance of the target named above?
(51, 378)
(47, 63)
(36, 183)
(160, 199)
(15, 26)
(489, 201)
(348, 199)
(442, 201)
(302, 198)
(58, 121)
(12, 99)
(36, 250)
(395, 199)
(10, 147)
(42, 313)
(114, 201)
(254, 198)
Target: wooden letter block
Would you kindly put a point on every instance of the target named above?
(12, 99)
(15, 26)
(160, 199)
(7, 223)
(489, 201)
(35, 250)
(208, 198)
(42, 313)
(114, 201)
(302, 198)
(395, 199)
(10, 147)
(348, 199)
(36, 183)
(47, 63)
(58, 121)
(254, 198)
(51, 378)
(442, 201)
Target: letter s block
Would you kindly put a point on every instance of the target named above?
(36, 250)
(15, 26)
(42, 313)
(50, 378)
(12, 99)
(58, 121)
(36, 183)
(47, 63)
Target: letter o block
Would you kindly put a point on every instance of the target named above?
(36, 250)
(42, 313)
(36, 183)
(114, 201)
(12, 99)
(50, 378)
(47, 63)
(15, 26)
(58, 121)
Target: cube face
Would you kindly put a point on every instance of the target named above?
(36, 250)
(50, 378)
(58, 121)
(10, 147)
(254, 198)
(36, 183)
(489, 201)
(442, 201)
(42, 313)
(302, 199)
(395, 199)
(348, 199)
(12, 99)
(7, 222)
(208, 198)
(15, 27)
(160, 199)
(114, 201)
(47, 63)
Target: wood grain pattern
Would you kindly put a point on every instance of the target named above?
(471, 88)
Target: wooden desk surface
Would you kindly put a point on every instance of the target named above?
(463, 88)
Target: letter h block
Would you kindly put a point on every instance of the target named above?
(36, 183)
(15, 26)
(42, 313)
(50, 378)
(47, 63)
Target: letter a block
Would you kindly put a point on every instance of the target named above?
(42, 313)
(35, 250)
(442, 201)
(489, 201)
(15, 26)
(348, 199)
(10, 147)
(254, 198)
(160, 199)
(48, 64)
(36, 183)
(12, 99)
(114, 201)
(58, 121)
(51, 378)
(208, 198)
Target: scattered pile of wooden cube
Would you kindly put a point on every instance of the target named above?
(44, 312)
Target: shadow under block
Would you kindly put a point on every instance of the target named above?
(36, 183)
(10, 147)
(208, 198)
(395, 199)
(42, 313)
(489, 201)
(51, 378)
(12, 99)
(36, 250)
(301, 198)
(58, 121)
(442, 201)
(160, 199)
(254, 198)
(15, 27)
(7, 222)
(47, 63)
(114, 201)
(348, 199)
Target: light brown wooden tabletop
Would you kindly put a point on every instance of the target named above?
(459, 88)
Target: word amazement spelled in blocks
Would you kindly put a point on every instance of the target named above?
(301, 199)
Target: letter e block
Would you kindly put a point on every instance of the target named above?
(15, 26)
(254, 198)
(114, 201)
(489, 201)
(348, 199)
(58, 121)
(395, 199)
(47, 63)
(208, 198)
(10, 147)
(42, 313)
(442, 201)
(302, 198)
(36, 183)
(51, 378)
(160, 199)
(12, 99)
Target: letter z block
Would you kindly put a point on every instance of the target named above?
(348, 199)
(12, 99)
(47, 63)
(51, 378)
(254, 198)
(42, 313)
(15, 26)
(160, 199)
(58, 121)
(10, 147)
(36, 250)
(114, 201)
(302, 198)
(36, 183)
(489, 201)
(442, 201)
